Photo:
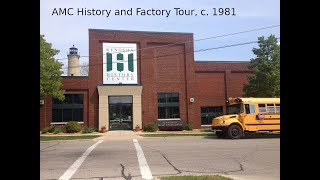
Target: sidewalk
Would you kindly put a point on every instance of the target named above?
(109, 136)
(119, 135)
(72, 134)
(124, 134)
(194, 131)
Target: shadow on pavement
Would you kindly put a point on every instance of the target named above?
(250, 136)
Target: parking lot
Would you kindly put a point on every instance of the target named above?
(104, 158)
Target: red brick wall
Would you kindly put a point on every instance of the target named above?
(213, 66)
(210, 91)
(45, 113)
(237, 81)
(211, 88)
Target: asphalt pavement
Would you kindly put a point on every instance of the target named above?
(115, 156)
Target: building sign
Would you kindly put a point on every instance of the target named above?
(169, 125)
(120, 63)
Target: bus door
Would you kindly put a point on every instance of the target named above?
(250, 117)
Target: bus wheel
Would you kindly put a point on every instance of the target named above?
(220, 134)
(235, 132)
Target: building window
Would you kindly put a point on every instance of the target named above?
(207, 113)
(168, 105)
(71, 109)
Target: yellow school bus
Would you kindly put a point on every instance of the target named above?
(248, 115)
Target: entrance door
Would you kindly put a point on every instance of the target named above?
(120, 113)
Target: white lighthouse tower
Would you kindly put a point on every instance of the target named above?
(73, 62)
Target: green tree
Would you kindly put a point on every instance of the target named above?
(265, 82)
(50, 80)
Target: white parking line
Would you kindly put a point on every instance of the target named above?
(74, 167)
(144, 168)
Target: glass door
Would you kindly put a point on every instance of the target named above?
(120, 113)
(114, 117)
(126, 116)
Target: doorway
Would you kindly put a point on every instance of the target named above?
(120, 113)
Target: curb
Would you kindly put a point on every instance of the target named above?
(69, 140)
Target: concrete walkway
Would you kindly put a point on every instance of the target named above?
(119, 135)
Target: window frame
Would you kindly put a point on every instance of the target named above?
(68, 105)
(250, 107)
(265, 108)
(277, 105)
(168, 104)
(269, 107)
(207, 108)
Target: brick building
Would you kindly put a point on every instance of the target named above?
(138, 77)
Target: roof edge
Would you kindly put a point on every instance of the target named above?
(157, 32)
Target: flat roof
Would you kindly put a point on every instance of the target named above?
(158, 32)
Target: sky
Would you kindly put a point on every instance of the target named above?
(64, 31)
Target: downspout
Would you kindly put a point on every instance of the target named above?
(186, 84)
(45, 114)
(225, 90)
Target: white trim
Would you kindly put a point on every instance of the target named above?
(206, 125)
(75, 166)
(63, 123)
(143, 164)
(172, 119)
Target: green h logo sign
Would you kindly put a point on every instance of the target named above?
(119, 61)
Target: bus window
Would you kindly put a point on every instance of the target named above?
(246, 106)
(262, 108)
(235, 109)
(270, 108)
(250, 108)
(277, 108)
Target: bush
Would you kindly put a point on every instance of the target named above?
(58, 130)
(45, 130)
(187, 127)
(88, 130)
(96, 130)
(51, 129)
(73, 127)
(150, 128)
